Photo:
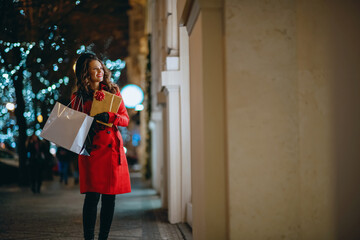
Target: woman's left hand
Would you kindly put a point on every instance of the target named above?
(103, 117)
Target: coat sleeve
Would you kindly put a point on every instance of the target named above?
(121, 118)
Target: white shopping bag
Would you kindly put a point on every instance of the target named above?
(67, 128)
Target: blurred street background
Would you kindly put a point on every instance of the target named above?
(39, 44)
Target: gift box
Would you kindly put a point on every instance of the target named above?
(104, 101)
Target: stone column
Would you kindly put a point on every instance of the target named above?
(185, 126)
(174, 149)
(155, 126)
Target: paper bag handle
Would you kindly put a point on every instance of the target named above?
(80, 102)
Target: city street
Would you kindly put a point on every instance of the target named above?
(56, 213)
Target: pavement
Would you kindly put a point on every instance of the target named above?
(56, 213)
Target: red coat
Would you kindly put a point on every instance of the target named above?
(105, 170)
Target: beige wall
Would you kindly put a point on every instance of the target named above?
(275, 118)
(208, 158)
(262, 112)
(293, 97)
(344, 47)
(316, 129)
(197, 131)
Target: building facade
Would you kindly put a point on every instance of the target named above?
(255, 116)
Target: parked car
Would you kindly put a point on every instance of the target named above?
(9, 158)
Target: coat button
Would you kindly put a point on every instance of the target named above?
(108, 132)
(109, 145)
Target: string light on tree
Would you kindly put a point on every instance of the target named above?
(10, 106)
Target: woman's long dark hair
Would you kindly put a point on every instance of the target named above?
(83, 76)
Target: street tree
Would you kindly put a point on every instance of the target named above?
(39, 44)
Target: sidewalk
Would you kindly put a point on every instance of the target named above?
(56, 213)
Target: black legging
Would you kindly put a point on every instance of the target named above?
(90, 211)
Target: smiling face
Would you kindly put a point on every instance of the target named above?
(96, 71)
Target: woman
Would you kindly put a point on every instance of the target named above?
(105, 172)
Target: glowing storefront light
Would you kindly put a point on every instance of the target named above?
(132, 95)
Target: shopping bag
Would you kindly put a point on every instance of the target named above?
(104, 101)
(67, 128)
